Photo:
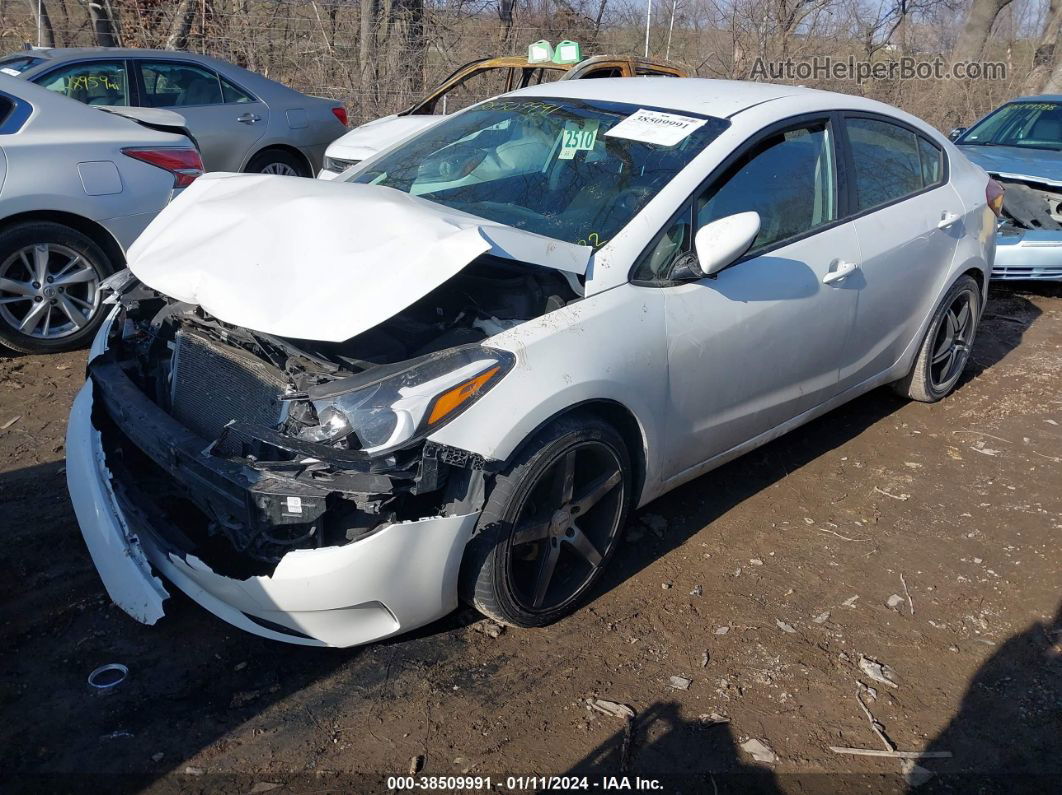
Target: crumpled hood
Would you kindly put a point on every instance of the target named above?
(318, 260)
(1040, 165)
(375, 136)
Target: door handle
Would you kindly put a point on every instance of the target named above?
(947, 218)
(248, 118)
(841, 271)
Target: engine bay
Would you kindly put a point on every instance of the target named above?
(1031, 205)
(212, 425)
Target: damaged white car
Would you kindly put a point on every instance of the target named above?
(1020, 145)
(329, 410)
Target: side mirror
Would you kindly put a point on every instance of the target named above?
(955, 133)
(721, 242)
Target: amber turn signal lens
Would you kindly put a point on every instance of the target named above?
(452, 399)
(994, 197)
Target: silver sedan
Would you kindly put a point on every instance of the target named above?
(77, 186)
(240, 120)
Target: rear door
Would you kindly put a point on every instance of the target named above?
(908, 219)
(225, 119)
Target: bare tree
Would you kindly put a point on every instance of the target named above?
(975, 30)
(181, 25)
(102, 15)
(45, 31)
(1045, 55)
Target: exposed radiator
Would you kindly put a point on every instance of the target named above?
(214, 384)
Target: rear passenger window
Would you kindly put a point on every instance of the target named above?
(170, 84)
(890, 162)
(932, 162)
(231, 93)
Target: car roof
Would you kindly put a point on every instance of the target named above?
(57, 55)
(1036, 98)
(518, 61)
(720, 98)
(65, 53)
(256, 83)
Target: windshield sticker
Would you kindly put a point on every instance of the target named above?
(528, 108)
(7, 70)
(87, 82)
(577, 136)
(653, 127)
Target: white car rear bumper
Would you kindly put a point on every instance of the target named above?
(401, 577)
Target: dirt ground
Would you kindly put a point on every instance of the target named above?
(764, 583)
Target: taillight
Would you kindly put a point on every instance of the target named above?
(994, 197)
(184, 164)
(340, 113)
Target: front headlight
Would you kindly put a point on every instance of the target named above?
(338, 164)
(389, 406)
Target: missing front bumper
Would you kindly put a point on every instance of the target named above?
(401, 577)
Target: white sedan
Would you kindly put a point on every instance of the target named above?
(327, 411)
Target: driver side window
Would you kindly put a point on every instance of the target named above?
(93, 82)
(789, 178)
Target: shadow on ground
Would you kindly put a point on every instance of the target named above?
(679, 753)
(1009, 723)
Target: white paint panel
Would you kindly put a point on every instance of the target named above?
(320, 260)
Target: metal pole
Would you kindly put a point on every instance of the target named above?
(670, 30)
(39, 4)
(648, 17)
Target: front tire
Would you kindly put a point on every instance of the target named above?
(50, 279)
(946, 348)
(550, 524)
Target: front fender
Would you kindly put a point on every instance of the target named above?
(610, 347)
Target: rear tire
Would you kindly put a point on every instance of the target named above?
(277, 161)
(550, 524)
(945, 350)
(49, 287)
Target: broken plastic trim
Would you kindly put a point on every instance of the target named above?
(1031, 204)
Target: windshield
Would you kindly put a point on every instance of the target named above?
(1036, 125)
(573, 170)
(18, 64)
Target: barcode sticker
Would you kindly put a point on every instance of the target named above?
(654, 127)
